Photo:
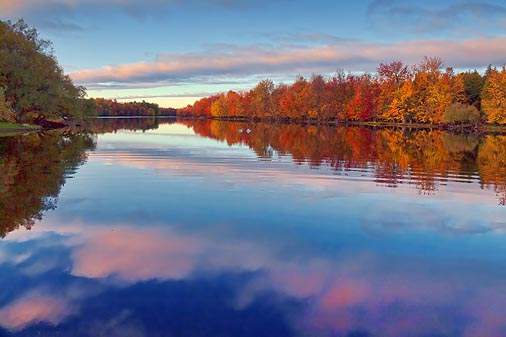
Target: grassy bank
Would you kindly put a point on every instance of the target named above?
(8, 129)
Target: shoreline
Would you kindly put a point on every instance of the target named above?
(480, 128)
(12, 129)
(8, 129)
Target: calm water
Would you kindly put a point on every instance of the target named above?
(229, 229)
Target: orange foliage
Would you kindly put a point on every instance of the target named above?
(396, 93)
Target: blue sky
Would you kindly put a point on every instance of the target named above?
(175, 51)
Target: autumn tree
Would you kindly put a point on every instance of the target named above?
(314, 97)
(363, 104)
(344, 85)
(235, 105)
(261, 104)
(296, 99)
(494, 97)
(396, 91)
(339, 91)
(435, 90)
(282, 101)
(426, 93)
(426, 78)
(219, 107)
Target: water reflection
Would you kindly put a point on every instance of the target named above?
(425, 158)
(105, 125)
(164, 232)
(34, 167)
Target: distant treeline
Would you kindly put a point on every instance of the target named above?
(113, 108)
(396, 93)
(33, 87)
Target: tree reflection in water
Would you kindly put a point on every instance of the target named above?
(34, 168)
(424, 158)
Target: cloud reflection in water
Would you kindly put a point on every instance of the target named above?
(265, 256)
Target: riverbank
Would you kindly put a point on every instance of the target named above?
(9, 129)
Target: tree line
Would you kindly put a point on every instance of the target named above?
(425, 93)
(112, 108)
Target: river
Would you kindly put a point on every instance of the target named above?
(208, 228)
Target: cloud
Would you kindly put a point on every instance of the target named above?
(65, 17)
(342, 293)
(19, 6)
(237, 62)
(59, 25)
(300, 38)
(366, 287)
(395, 15)
(134, 255)
(134, 8)
(187, 95)
(166, 83)
(33, 308)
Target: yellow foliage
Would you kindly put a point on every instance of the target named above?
(219, 107)
(494, 97)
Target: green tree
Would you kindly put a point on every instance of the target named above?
(35, 85)
(6, 113)
(473, 84)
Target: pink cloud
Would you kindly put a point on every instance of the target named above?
(133, 254)
(33, 308)
(238, 61)
(347, 293)
(333, 289)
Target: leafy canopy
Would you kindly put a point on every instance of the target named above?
(35, 86)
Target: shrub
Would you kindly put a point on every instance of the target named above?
(461, 114)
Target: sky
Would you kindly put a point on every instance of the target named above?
(173, 52)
